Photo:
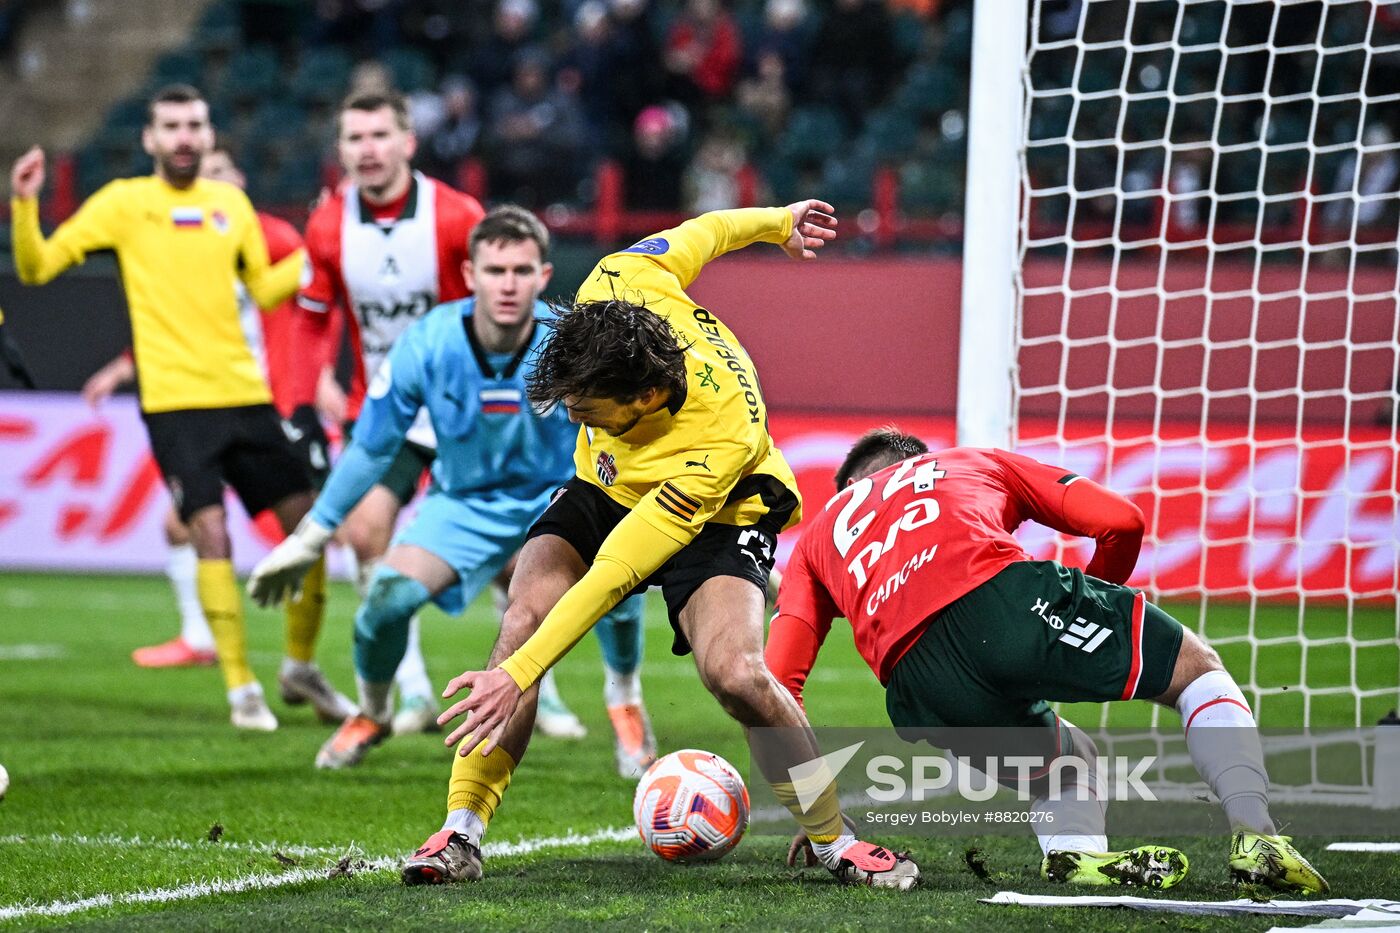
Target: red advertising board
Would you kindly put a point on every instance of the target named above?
(1226, 514)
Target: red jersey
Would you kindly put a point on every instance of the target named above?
(278, 342)
(388, 266)
(894, 548)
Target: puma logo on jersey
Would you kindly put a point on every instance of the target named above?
(700, 464)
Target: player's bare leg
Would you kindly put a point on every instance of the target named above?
(1223, 740)
(723, 621)
(406, 579)
(369, 530)
(546, 568)
(194, 646)
(299, 680)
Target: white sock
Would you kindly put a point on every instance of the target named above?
(1223, 740)
(621, 689)
(239, 694)
(291, 667)
(374, 698)
(181, 567)
(466, 823)
(830, 852)
(1075, 820)
(412, 675)
(1078, 825)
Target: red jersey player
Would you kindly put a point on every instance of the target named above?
(966, 630)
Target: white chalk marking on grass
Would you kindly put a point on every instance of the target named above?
(18, 597)
(107, 840)
(1364, 847)
(264, 881)
(32, 652)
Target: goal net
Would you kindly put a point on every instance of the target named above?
(1205, 286)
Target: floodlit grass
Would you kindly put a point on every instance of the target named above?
(120, 774)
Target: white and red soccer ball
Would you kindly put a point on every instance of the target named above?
(691, 806)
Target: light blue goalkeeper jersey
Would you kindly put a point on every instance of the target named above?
(491, 444)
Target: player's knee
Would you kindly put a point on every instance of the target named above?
(369, 540)
(740, 684)
(390, 602)
(1195, 657)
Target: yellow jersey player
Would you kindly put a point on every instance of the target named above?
(678, 484)
(183, 243)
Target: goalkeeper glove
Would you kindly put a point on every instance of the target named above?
(279, 574)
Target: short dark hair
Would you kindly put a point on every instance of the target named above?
(509, 223)
(171, 94)
(606, 349)
(370, 101)
(876, 450)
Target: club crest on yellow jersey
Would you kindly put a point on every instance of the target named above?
(607, 468)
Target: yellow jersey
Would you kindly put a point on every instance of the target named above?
(181, 252)
(705, 457)
(708, 456)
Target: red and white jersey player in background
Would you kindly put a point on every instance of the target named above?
(383, 251)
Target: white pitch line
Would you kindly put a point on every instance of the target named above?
(31, 652)
(180, 845)
(265, 881)
(1364, 847)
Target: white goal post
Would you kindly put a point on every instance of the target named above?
(1180, 278)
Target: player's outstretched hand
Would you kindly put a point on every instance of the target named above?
(280, 573)
(108, 379)
(492, 701)
(813, 223)
(802, 846)
(27, 175)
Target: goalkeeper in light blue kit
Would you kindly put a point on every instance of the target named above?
(499, 463)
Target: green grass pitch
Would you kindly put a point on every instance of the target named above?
(119, 774)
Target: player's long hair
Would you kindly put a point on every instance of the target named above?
(876, 450)
(606, 349)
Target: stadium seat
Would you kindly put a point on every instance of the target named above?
(813, 134)
(126, 115)
(252, 75)
(321, 76)
(178, 67)
(889, 135)
(846, 181)
(411, 69)
(219, 28)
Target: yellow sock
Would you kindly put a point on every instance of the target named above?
(822, 820)
(223, 608)
(304, 614)
(477, 783)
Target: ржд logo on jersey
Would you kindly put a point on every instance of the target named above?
(607, 468)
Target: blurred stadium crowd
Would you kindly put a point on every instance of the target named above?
(704, 104)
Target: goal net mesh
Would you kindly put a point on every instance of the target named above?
(1207, 322)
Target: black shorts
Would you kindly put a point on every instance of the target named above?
(406, 472)
(198, 450)
(1036, 631)
(583, 515)
(303, 428)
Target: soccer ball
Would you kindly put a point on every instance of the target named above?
(4, 781)
(691, 806)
